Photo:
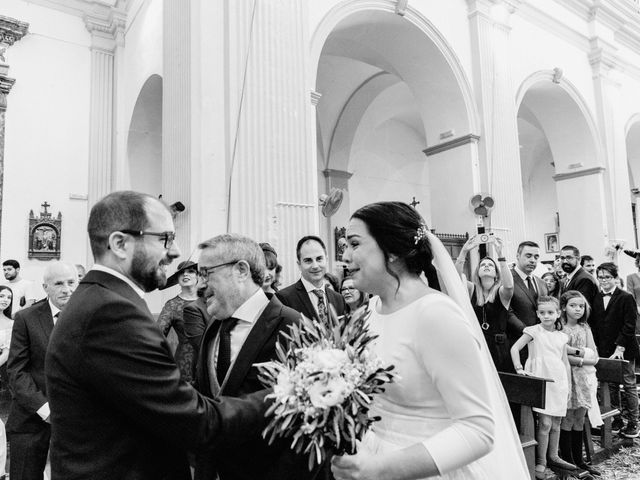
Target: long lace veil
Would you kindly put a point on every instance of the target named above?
(506, 460)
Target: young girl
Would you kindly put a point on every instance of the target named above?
(547, 359)
(575, 313)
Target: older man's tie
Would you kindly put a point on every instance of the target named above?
(224, 348)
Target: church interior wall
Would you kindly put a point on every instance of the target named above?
(141, 58)
(451, 187)
(583, 222)
(540, 199)
(549, 51)
(47, 132)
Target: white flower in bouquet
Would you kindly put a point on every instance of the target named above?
(323, 384)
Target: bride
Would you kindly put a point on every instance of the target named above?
(447, 416)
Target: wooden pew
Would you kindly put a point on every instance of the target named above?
(608, 372)
(528, 392)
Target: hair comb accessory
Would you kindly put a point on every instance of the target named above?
(421, 234)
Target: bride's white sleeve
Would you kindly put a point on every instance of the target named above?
(451, 357)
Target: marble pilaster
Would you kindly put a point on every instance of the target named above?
(106, 35)
(177, 101)
(498, 149)
(274, 184)
(11, 30)
(618, 223)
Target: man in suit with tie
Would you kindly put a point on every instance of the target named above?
(247, 325)
(613, 320)
(526, 290)
(577, 277)
(119, 408)
(28, 423)
(309, 295)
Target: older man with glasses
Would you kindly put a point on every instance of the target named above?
(247, 324)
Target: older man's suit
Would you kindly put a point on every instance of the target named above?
(583, 282)
(296, 297)
(523, 306)
(255, 460)
(28, 433)
(118, 406)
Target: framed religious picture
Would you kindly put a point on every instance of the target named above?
(44, 234)
(551, 242)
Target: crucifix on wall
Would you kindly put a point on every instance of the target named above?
(414, 202)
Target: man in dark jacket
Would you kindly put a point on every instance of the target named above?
(119, 408)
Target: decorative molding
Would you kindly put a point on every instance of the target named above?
(107, 31)
(454, 143)
(401, 7)
(530, 13)
(315, 97)
(12, 30)
(332, 173)
(80, 8)
(578, 173)
(5, 86)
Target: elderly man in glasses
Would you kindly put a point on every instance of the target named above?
(247, 324)
(119, 408)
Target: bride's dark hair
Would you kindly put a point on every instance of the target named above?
(395, 226)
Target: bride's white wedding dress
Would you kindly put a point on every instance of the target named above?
(443, 398)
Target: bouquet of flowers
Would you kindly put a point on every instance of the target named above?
(324, 381)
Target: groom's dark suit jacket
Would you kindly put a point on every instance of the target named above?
(255, 460)
(296, 297)
(615, 325)
(119, 409)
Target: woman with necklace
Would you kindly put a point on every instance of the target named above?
(491, 289)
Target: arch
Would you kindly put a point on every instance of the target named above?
(561, 157)
(346, 9)
(546, 76)
(144, 140)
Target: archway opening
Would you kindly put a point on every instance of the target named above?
(388, 94)
(559, 160)
(144, 142)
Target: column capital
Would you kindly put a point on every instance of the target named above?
(603, 58)
(11, 30)
(498, 12)
(107, 31)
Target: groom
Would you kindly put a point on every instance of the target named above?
(244, 332)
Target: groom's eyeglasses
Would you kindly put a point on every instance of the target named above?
(167, 237)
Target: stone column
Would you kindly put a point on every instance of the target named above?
(498, 149)
(177, 101)
(106, 34)
(617, 195)
(272, 167)
(11, 30)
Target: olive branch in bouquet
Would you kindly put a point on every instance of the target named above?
(324, 380)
